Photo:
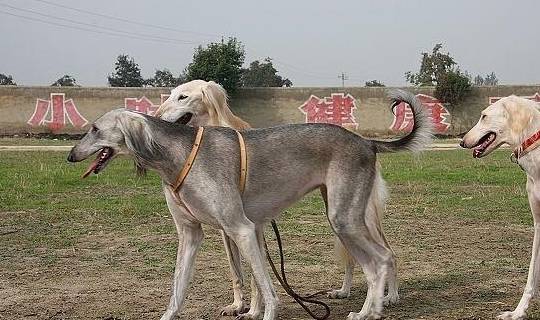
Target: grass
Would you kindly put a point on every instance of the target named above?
(10, 141)
(104, 247)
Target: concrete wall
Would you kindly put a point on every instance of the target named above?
(69, 110)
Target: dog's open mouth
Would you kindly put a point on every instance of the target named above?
(185, 118)
(483, 144)
(103, 157)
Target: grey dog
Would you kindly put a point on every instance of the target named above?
(284, 164)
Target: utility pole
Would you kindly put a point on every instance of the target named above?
(343, 77)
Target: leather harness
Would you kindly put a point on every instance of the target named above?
(191, 159)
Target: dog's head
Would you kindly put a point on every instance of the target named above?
(196, 103)
(117, 132)
(505, 121)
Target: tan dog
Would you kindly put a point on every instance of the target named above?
(202, 103)
(514, 121)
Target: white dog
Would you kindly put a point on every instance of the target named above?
(202, 103)
(515, 121)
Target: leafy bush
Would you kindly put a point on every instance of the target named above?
(6, 80)
(453, 86)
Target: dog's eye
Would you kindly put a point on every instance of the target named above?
(94, 128)
(182, 97)
(483, 117)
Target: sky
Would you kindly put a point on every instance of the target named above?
(311, 42)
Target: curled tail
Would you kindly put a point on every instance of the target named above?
(420, 136)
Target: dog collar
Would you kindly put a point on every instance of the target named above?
(527, 146)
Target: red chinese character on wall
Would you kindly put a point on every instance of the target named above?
(535, 97)
(164, 96)
(404, 120)
(337, 109)
(53, 113)
(142, 105)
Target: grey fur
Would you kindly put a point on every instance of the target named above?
(284, 163)
(421, 134)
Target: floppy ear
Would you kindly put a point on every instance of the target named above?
(519, 116)
(214, 97)
(139, 139)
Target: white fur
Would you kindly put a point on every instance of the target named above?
(513, 120)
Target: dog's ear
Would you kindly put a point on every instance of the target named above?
(138, 139)
(214, 97)
(519, 117)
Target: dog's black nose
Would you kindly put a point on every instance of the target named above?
(70, 157)
(462, 144)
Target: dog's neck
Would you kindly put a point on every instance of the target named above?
(525, 121)
(175, 144)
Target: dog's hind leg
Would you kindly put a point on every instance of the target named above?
(346, 213)
(348, 262)
(531, 288)
(344, 257)
(239, 305)
(374, 214)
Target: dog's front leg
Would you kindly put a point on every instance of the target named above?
(183, 272)
(256, 305)
(192, 235)
(531, 288)
(238, 306)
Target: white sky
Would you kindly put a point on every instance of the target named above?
(311, 41)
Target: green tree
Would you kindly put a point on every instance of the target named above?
(65, 81)
(434, 65)
(453, 86)
(478, 80)
(374, 83)
(489, 80)
(263, 74)
(219, 62)
(164, 78)
(440, 70)
(6, 80)
(126, 73)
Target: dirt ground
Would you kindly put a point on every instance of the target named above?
(111, 257)
(448, 269)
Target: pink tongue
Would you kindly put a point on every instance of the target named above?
(91, 167)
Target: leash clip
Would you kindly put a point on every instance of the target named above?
(513, 158)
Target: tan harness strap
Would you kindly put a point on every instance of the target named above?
(189, 161)
(243, 162)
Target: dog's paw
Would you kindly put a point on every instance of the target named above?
(362, 316)
(512, 315)
(234, 310)
(338, 294)
(391, 298)
(247, 316)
